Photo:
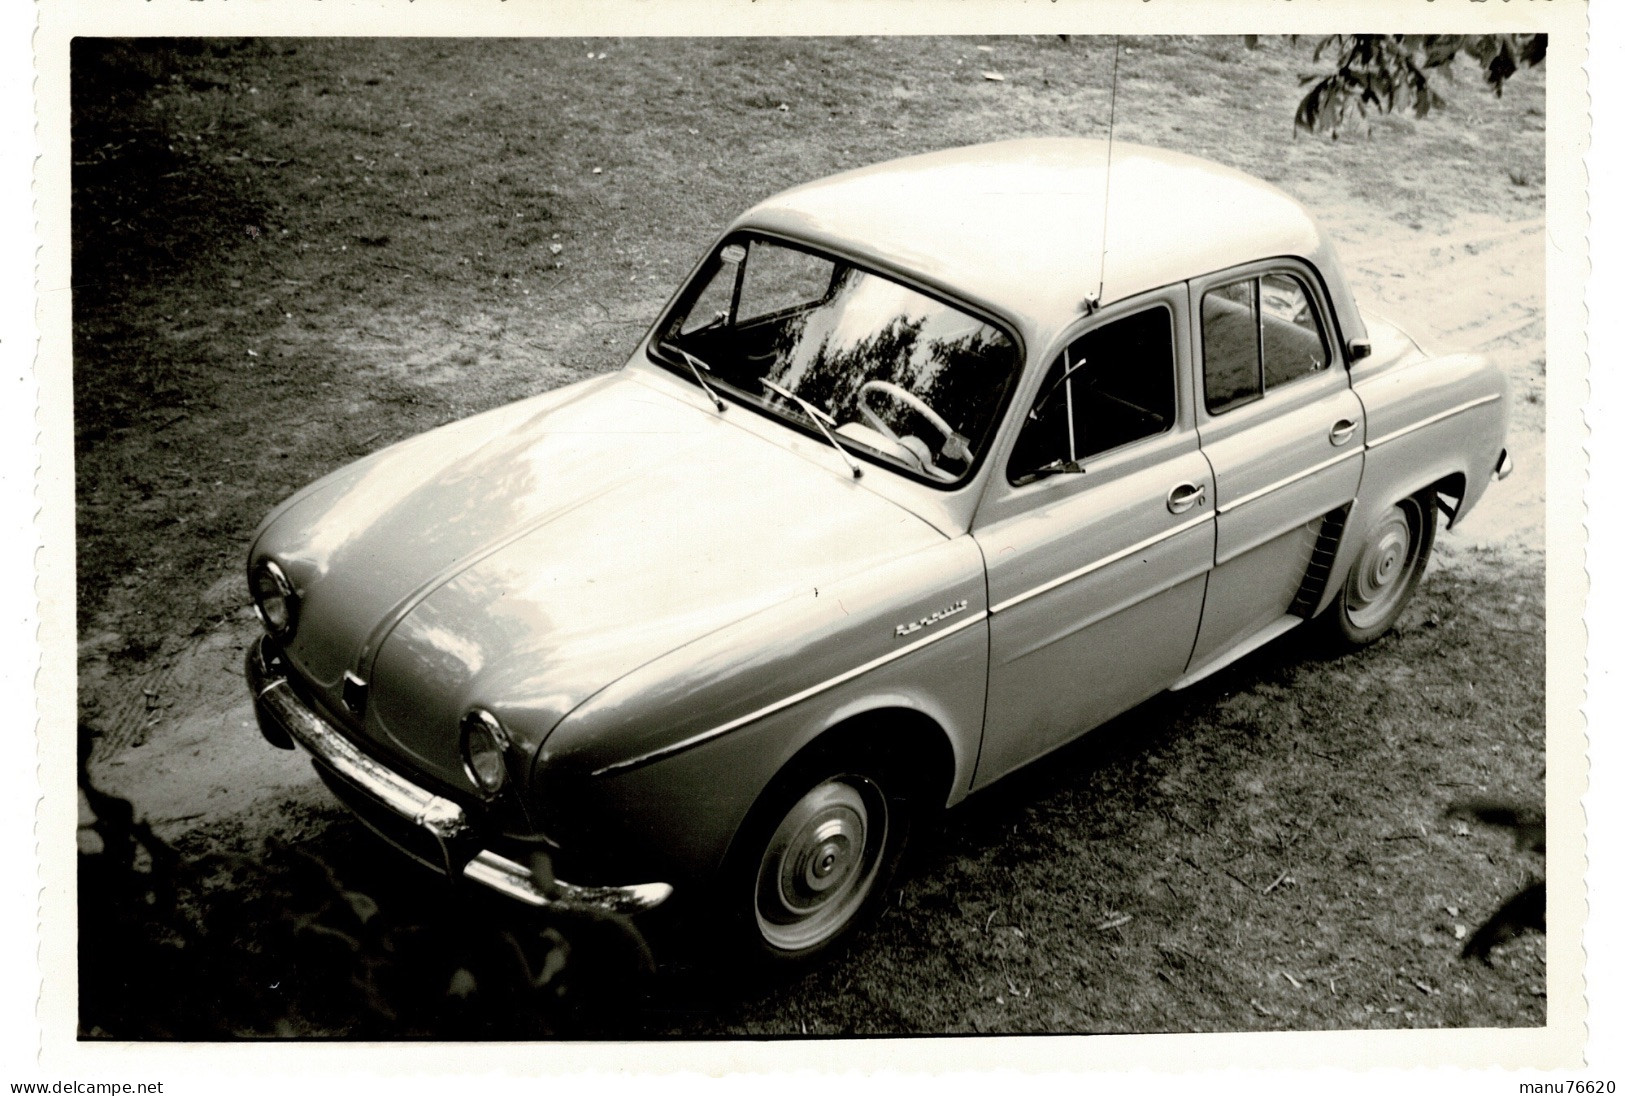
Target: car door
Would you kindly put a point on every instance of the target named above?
(1097, 535)
(1285, 434)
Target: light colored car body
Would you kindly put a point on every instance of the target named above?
(665, 605)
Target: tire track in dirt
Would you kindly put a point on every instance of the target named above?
(1493, 280)
(182, 744)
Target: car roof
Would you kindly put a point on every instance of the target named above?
(1016, 226)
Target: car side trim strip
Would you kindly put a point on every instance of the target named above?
(1008, 603)
(1431, 419)
(1104, 561)
(1111, 610)
(794, 698)
(1250, 496)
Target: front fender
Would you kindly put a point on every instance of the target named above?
(657, 771)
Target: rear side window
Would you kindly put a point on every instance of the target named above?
(1258, 334)
(1292, 344)
(1231, 374)
(1111, 386)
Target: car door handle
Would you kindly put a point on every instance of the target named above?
(1185, 496)
(1342, 431)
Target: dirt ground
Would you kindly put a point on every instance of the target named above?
(290, 253)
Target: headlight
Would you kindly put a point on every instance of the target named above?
(274, 599)
(485, 746)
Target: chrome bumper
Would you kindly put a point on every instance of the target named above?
(1503, 465)
(279, 709)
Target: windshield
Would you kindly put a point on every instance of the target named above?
(906, 379)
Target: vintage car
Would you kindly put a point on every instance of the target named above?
(926, 470)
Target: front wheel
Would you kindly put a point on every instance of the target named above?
(814, 860)
(1385, 573)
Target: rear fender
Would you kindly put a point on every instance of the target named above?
(1433, 424)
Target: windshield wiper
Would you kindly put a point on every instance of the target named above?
(820, 418)
(699, 369)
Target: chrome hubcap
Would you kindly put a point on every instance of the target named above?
(820, 863)
(1383, 570)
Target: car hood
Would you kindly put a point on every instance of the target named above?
(524, 560)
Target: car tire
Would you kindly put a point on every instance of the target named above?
(1384, 574)
(813, 861)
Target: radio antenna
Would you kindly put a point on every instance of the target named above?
(1105, 205)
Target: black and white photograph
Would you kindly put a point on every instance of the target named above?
(680, 538)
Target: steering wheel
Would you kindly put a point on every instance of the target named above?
(955, 445)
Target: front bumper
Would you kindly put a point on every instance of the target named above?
(285, 720)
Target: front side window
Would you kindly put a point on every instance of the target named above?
(782, 279)
(1258, 334)
(898, 376)
(1111, 386)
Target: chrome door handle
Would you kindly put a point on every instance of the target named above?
(1185, 496)
(1343, 430)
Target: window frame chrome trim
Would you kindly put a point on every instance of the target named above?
(1116, 312)
(1308, 276)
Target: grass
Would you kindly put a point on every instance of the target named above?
(289, 253)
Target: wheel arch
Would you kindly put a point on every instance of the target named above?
(1449, 491)
(902, 733)
(896, 731)
(876, 748)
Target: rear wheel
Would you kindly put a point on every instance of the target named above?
(1385, 573)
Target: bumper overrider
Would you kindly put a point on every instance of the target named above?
(285, 720)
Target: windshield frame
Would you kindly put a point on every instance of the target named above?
(775, 411)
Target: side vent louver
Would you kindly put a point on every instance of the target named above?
(1315, 576)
